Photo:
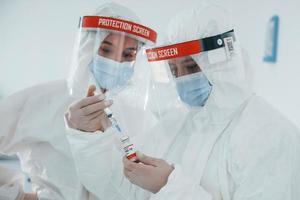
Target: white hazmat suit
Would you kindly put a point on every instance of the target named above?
(33, 127)
(235, 147)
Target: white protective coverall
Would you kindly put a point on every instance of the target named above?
(33, 127)
(236, 147)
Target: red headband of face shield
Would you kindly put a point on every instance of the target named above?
(118, 25)
(192, 47)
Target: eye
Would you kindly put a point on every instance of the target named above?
(192, 68)
(129, 55)
(105, 50)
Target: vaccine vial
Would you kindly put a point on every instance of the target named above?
(129, 149)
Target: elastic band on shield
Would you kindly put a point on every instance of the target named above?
(188, 48)
(119, 25)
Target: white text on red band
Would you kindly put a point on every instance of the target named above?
(124, 26)
(154, 55)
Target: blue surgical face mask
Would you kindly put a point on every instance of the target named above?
(193, 89)
(111, 74)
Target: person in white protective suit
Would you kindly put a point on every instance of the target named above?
(232, 144)
(218, 140)
(32, 121)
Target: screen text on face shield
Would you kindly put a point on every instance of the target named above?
(124, 26)
(163, 53)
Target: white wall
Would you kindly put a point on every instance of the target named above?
(278, 83)
(37, 37)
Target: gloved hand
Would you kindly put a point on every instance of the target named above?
(150, 174)
(29, 196)
(88, 113)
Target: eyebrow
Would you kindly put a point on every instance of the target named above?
(187, 61)
(111, 44)
(106, 42)
(131, 48)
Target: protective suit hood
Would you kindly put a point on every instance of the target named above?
(230, 86)
(80, 74)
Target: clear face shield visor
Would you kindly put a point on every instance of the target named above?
(179, 66)
(108, 51)
(115, 45)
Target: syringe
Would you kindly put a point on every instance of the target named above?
(128, 147)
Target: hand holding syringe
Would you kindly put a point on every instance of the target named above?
(128, 147)
(87, 114)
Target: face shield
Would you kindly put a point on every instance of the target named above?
(182, 68)
(109, 48)
(115, 50)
